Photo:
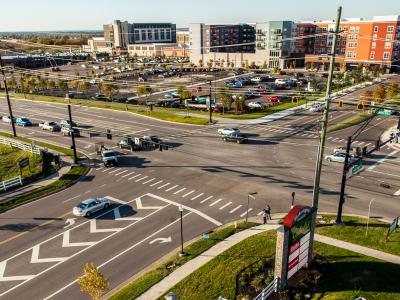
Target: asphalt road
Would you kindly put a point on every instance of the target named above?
(41, 259)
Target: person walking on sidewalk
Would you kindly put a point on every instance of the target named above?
(269, 212)
(265, 214)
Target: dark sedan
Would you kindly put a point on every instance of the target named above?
(235, 137)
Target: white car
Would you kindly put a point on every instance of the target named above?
(317, 108)
(256, 105)
(89, 206)
(339, 157)
(227, 131)
(7, 119)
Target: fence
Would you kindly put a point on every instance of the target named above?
(271, 288)
(4, 185)
(25, 147)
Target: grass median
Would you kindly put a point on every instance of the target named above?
(245, 269)
(349, 122)
(141, 284)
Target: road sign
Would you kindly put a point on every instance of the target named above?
(392, 227)
(384, 112)
(354, 170)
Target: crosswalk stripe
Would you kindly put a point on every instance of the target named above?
(187, 194)
(171, 188)
(177, 192)
(199, 195)
(208, 198)
(156, 183)
(215, 202)
(160, 187)
(243, 214)
(113, 171)
(140, 179)
(107, 169)
(227, 204)
(235, 209)
(133, 177)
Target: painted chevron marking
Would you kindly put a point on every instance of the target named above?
(140, 205)
(117, 216)
(36, 260)
(94, 229)
(66, 243)
(12, 278)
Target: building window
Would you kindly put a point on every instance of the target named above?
(149, 34)
(376, 28)
(373, 45)
(374, 37)
(389, 37)
(357, 28)
(390, 28)
(345, 29)
(143, 35)
(168, 34)
(156, 35)
(388, 45)
(386, 55)
(352, 28)
(372, 55)
(137, 35)
(163, 34)
(344, 43)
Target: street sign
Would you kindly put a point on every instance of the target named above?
(24, 162)
(384, 112)
(392, 227)
(356, 169)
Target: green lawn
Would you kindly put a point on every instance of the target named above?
(340, 274)
(355, 230)
(9, 167)
(150, 278)
(349, 122)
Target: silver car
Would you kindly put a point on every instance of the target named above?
(226, 131)
(339, 157)
(89, 206)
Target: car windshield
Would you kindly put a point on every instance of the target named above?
(52, 123)
(24, 120)
(108, 154)
(82, 205)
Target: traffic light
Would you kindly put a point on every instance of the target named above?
(193, 98)
(341, 103)
(109, 135)
(295, 99)
(360, 106)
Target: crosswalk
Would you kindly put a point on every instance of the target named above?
(206, 201)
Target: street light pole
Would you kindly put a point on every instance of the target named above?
(369, 211)
(181, 213)
(210, 107)
(8, 98)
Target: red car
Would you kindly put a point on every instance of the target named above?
(261, 89)
(273, 99)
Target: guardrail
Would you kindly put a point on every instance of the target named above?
(270, 289)
(4, 185)
(25, 147)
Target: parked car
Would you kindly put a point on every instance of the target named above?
(226, 131)
(67, 123)
(51, 126)
(7, 119)
(120, 99)
(258, 105)
(273, 99)
(89, 206)
(128, 143)
(235, 137)
(339, 157)
(23, 122)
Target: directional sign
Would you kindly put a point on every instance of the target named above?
(161, 240)
(356, 169)
(384, 112)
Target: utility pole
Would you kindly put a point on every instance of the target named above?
(210, 107)
(72, 132)
(343, 185)
(8, 98)
(321, 146)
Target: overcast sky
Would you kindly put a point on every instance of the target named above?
(35, 15)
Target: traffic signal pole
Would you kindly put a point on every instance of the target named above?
(210, 107)
(72, 132)
(8, 98)
(343, 185)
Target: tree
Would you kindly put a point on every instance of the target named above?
(265, 65)
(93, 282)
(42, 83)
(252, 65)
(50, 84)
(143, 90)
(183, 92)
(210, 64)
(380, 92)
(392, 90)
(222, 63)
(201, 64)
(367, 95)
(12, 83)
(84, 86)
(225, 97)
(110, 90)
(62, 85)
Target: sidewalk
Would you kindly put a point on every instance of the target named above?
(191, 266)
(386, 135)
(66, 163)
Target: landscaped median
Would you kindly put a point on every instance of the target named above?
(73, 175)
(350, 122)
(242, 271)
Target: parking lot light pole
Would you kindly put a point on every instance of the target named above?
(181, 213)
(8, 98)
(293, 195)
(253, 197)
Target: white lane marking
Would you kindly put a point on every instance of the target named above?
(113, 171)
(118, 255)
(187, 194)
(208, 198)
(181, 190)
(124, 171)
(107, 169)
(164, 185)
(246, 212)
(129, 174)
(329, 137)
(235, 209)
(116, 200)
(369, 144)
(65, 201)
(103, 185)
(12, 278)
(260, 213)
(341, 140)
(156, 183)
(397, 193)
(171, 188)
(36, 260)
(383, 159)
(133, 177)
(334, 139)
(140, 179)
(227, 204)
(146, 182)
(215, 202)
(195, 197)
(87, 192)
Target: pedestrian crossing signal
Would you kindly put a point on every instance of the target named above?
(360, 106)
(341, 103)
(295, 99)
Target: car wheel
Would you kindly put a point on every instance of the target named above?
(224, 140)
(106, 206)
(238, 141)
(88, 214)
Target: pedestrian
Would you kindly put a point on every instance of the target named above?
(269, 212)
(265, 216)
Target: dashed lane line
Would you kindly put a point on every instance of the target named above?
(163, 186)
(215, 202)
(205, 200)
(65, 201)
(187, 194)
(195, 197)
(140, 179)
(133, 177)
(235, 209)
(171, 188)
(227, 204)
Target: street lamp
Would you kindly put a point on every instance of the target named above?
(181, 212)
(253, 197)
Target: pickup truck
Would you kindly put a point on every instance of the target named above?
(51, 126)
(109, 158)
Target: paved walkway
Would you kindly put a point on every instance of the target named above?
(359, 249)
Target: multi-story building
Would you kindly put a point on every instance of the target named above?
(182, 37)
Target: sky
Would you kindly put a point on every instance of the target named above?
(38, 15)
